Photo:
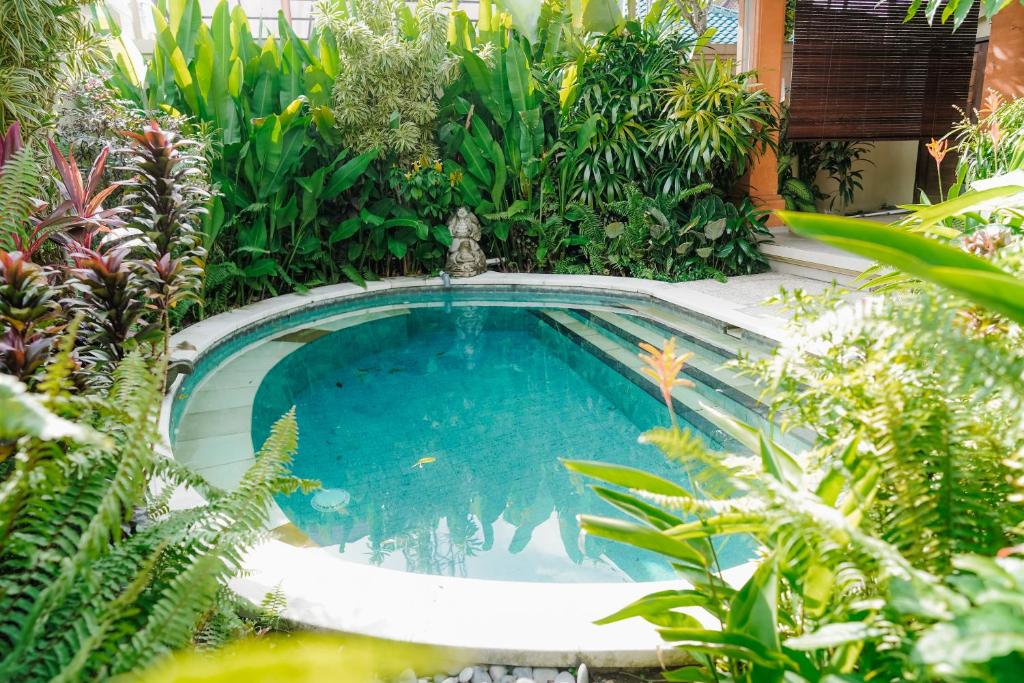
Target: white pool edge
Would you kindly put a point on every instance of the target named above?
(507, 622)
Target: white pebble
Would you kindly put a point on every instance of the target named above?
(523, 672)
(450, 679)
(544, 675)
(407, 676)
(481, 676)
(507, 678)
(524, 680)
(497, 672)
(466, 675)
(582, 674)
(565, 677)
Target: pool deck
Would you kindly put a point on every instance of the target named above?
(475, 620)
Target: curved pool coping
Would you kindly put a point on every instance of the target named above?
(475, 620)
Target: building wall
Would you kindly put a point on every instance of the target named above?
(1004, 67)
(889, 170)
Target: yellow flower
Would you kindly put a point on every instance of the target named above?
(664, 367)
(455, 177)
(437, 165)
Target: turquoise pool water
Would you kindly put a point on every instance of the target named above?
(437, 427)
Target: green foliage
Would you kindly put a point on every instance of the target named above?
(42, 43)
(404, 223)
(19, 184)
(884, 548)
(499, 128)
(393, 64)
(994, 143)
(690, 235)
(801, 162)
(616, 89)
(958, 10)
(91, 594)
(282, 182)
(714, 124)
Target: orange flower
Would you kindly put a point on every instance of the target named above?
(995, 132)
(664, 368)
(938, 149)
(993, 101)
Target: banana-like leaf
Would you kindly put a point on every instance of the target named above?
(972, 277)
(349, 172)
(643, 537)
(626, 477)
(657, 603)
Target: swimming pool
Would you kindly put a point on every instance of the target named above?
(436, 423)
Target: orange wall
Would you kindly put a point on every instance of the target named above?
(1004, 67)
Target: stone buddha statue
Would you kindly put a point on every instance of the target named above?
(465, 257)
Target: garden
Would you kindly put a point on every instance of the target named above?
(218, 256)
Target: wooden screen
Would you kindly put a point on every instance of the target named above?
(861, 73)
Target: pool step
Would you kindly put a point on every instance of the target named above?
(703, 367)
(686, 403)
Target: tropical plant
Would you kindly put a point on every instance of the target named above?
(714, 122)
(690, 235)
(800, 163)
(42, 44)
(392, 69)
(402, 226)
(89, 593)
(617, 88)
(283, 182)
(167, 199)
(29, 315)
(498, 128)
(958, 10)
(19, 184)
(992, 143)
(81, 211)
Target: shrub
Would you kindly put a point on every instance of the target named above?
(42, 44)
(394, 64)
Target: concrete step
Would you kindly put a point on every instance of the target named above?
(795, 255)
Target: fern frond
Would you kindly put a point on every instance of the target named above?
(19, 185)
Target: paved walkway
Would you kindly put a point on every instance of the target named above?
(747, 293)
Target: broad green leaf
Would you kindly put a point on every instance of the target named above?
(832, 635)
(656, 603)
(203, 64)
(969, 201)
(23, 414)
(754, 614)
(637, 508)
(349, 172)
(974, 278)
(397, 247)
(221, 104)
(627, 477)
(642, 537)
(185, 18)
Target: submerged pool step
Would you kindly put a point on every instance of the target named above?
(705, 369)
(686, 403)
